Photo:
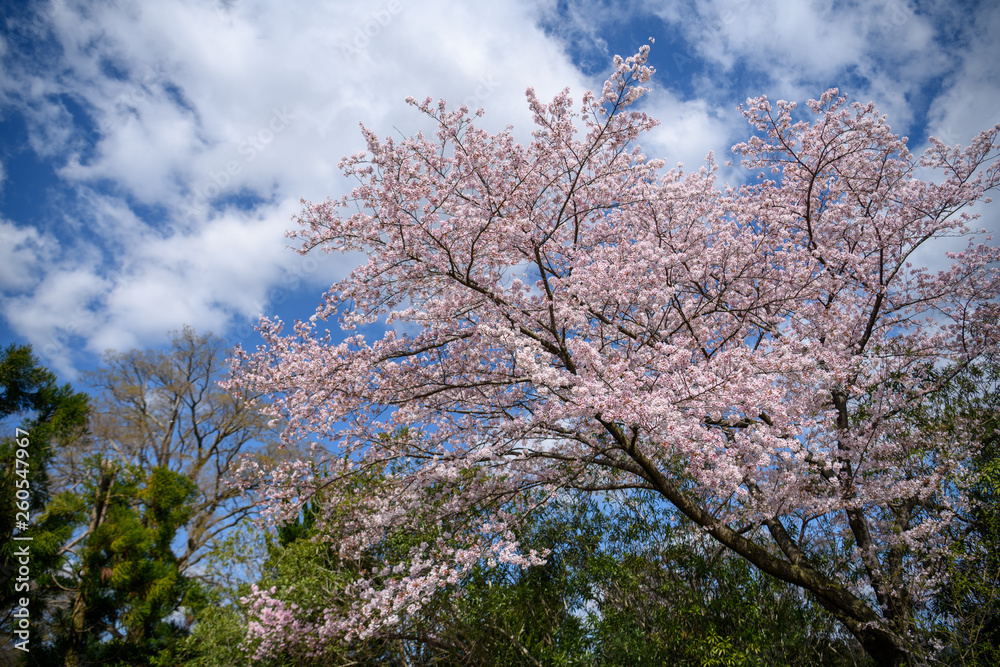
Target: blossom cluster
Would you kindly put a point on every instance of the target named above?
(586, 320)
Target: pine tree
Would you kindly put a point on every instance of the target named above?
(38, 414)
(128, 586)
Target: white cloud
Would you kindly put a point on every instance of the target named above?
(57, 313)
(875, 51)
(207, 122)
(204, 82)
(198, 110)
(970, 101)
(688, 130)
(581, 26)
(24, 254)
(802, 39)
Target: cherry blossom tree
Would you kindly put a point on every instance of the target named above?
(567, 314)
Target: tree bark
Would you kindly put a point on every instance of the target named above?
(882, 645)
(78, 616)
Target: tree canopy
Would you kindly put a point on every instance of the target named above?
(116, 498)
(40, 415)
(567, 315)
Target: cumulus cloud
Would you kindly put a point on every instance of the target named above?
(24, 254)
(189, 130)
(58, 313)
(970, 100)
(689, 129)
(181, 134)
(884, 52)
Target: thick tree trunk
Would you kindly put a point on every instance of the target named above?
(883, 647)
(856, 615)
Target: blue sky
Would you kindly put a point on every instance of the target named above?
(152, 154)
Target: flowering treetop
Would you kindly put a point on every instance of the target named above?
(580, 318)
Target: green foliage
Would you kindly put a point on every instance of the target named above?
(126, 581)
(29, 391)
(660, 592)
(47, 415)
(215, 638)
(967, 608)
(110, 577)
(220, 624)
(513, 616)
(626, 583)
(629, 582)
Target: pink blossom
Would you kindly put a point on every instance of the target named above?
(586, 320)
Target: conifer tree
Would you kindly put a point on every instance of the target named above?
(38, 414)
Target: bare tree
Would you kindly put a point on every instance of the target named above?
(165, 408)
